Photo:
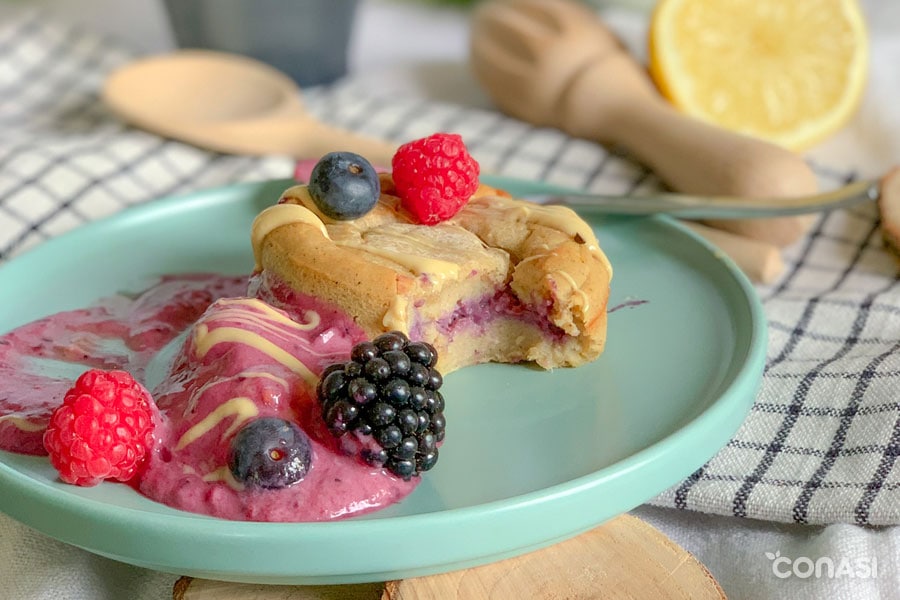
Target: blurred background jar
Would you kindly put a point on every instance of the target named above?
(307, 39)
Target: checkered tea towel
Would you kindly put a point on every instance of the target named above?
(821, 441)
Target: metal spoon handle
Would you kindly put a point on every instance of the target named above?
(715, 207)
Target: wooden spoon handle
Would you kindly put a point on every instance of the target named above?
(321, 139)
(689, 155)
(299, 136)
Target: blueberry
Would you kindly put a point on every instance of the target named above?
(344, 186)
(269, 453)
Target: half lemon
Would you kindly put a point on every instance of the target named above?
(788, 71)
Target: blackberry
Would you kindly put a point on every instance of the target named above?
(388, 390)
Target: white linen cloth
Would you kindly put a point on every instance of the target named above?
(818, 447)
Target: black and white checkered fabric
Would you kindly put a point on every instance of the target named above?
(820, 443)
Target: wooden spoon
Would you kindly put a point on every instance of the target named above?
(227, 103)
(554, 63)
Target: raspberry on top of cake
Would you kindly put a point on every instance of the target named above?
(429, 251)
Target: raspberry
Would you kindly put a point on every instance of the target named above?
(434, 176)
(102, 430)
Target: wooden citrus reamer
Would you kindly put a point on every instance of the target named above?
(554, 63)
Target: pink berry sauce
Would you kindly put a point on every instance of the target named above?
(214, 357)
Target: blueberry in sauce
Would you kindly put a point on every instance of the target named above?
(270, 453)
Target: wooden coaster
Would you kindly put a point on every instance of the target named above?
(623, 558)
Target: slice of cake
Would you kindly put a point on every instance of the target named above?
(500, 280)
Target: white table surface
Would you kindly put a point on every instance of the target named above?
(430, 60)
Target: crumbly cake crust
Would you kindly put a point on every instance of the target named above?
(498, 255)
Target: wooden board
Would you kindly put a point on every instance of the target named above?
(623, 558)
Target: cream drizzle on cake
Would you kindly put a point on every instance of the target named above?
(276, 216)
(399, 243)
(561, 218)
(412, 251)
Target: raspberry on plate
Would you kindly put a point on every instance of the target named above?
(434, 176)
(102, 430)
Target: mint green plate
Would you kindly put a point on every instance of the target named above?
(530, 458)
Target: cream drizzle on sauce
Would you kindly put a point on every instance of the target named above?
(198, 393)
(224, 475)
(205, 337)
(22, 424)
(241, 408)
